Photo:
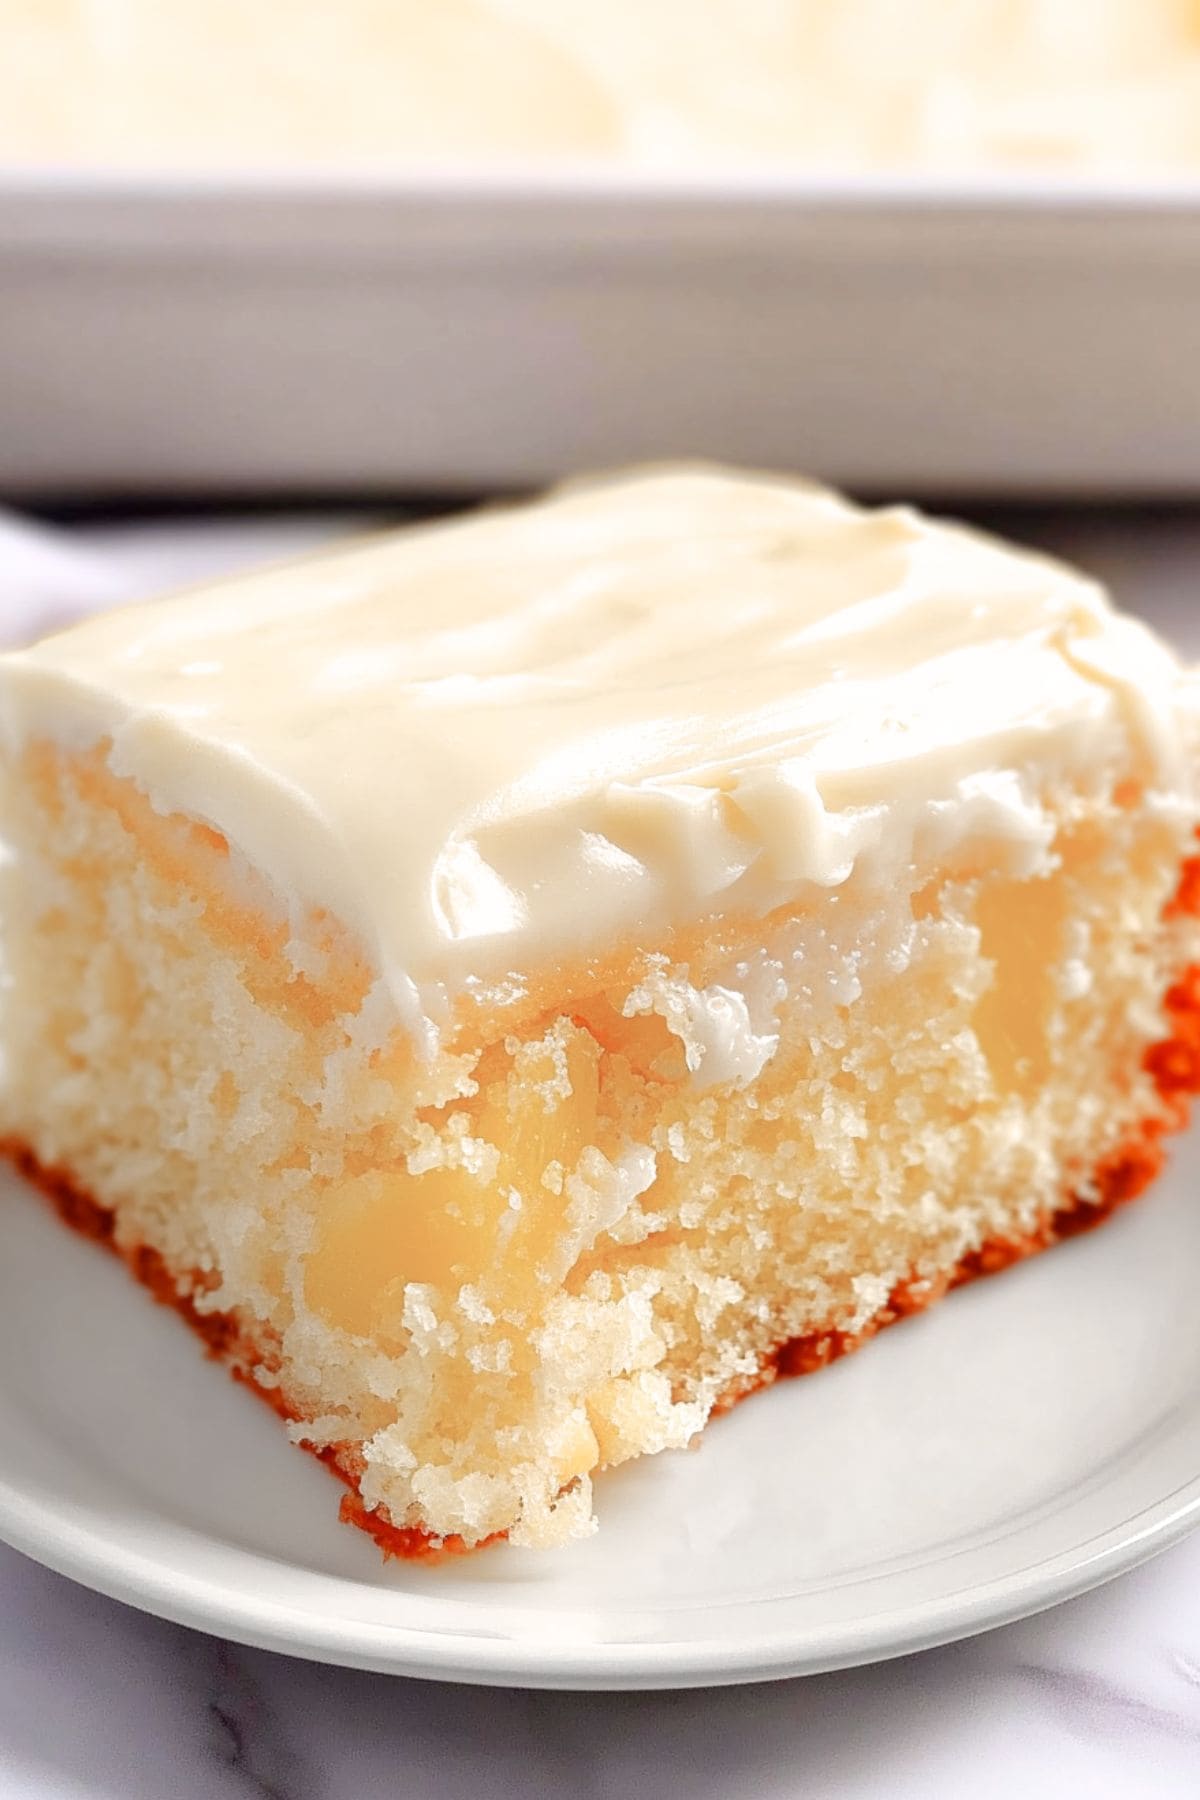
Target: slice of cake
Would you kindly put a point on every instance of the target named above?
(519, 984)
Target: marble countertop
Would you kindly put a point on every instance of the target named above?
(1098, 1698)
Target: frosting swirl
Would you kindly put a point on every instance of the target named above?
(546, 729)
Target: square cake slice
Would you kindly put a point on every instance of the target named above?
(519, 984)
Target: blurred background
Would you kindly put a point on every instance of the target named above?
(314, 248)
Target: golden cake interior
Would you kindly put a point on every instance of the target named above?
(594, 1217)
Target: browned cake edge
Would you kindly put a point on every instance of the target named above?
(1173, 1062)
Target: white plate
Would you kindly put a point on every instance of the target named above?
(1025, 1440)
(494, 329)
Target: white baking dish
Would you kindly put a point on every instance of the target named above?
(225, 336)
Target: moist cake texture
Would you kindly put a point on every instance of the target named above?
(518, 983)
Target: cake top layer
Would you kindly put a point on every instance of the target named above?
(560, 728)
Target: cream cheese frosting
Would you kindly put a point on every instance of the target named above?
(860, 83)
(561, 727)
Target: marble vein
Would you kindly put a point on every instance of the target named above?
(1095, 1706)
(245, 1731)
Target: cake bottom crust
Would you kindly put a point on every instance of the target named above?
(1174, 1064)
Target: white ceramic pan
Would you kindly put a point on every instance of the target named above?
(253, 336)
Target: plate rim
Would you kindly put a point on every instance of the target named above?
(82, 1554)
(601, 181)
